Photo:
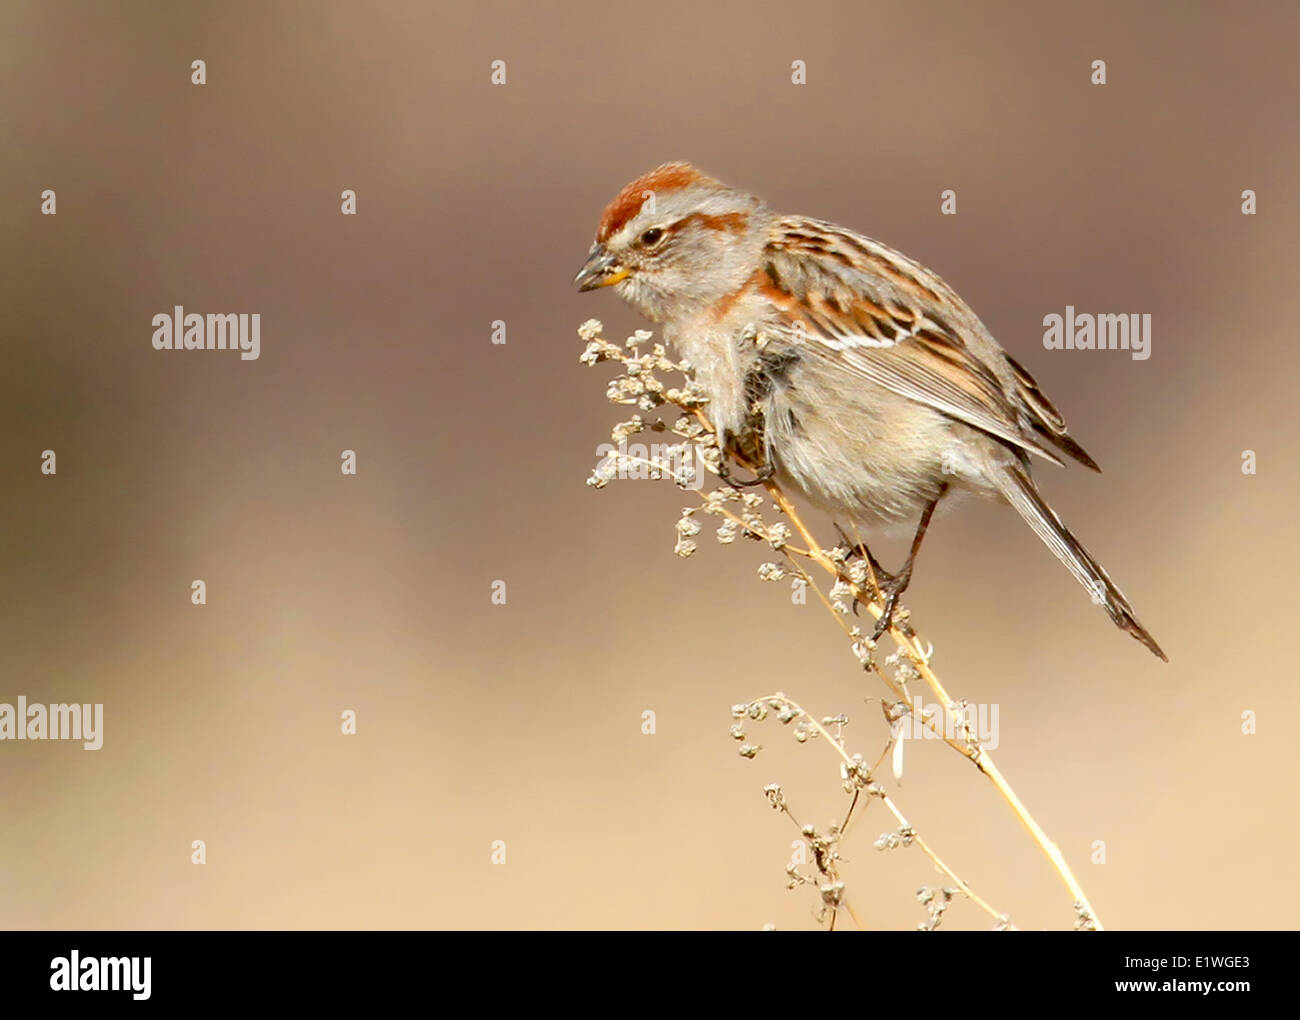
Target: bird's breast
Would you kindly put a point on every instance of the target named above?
(713, 351)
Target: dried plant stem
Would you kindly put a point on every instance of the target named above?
(911, 646)
(876, 790)
(640, 387)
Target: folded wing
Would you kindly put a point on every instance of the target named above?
(888, 320)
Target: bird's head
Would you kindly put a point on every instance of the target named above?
(675, 241)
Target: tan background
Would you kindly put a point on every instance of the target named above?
(521, 723)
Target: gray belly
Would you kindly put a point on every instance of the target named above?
(869, 457)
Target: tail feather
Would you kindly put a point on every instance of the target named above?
(1020, 491)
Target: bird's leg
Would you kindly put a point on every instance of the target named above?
(860, 549)
(895, 584)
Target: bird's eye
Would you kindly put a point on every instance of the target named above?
(652, 236)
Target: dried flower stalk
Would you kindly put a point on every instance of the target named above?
(850, 583)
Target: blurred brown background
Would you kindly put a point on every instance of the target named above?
(522, 722)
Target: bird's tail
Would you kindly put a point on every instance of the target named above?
(1020, 491)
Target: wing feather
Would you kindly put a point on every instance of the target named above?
(889, 321)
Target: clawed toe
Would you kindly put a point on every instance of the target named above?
(887, 585)
(891, 587)
(761, 475)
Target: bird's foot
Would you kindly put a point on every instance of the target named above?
(891, 588)
(761, 474)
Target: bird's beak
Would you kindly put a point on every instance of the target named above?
(600, 270)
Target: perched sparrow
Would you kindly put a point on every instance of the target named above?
(872, 387)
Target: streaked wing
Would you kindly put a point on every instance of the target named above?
(1044, 417)
(887, 319)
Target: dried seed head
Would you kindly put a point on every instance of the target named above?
(770, 572)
